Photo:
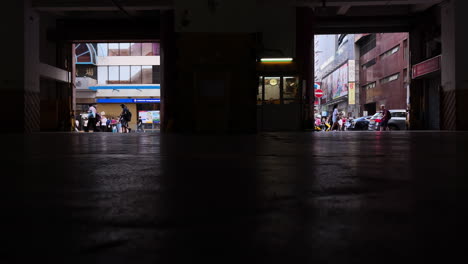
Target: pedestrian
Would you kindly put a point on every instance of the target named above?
(92, 118)
(78, 123)
(324, 122)
(340, 123)
(113, 125)
(140, 125)
(343, 121)
(349, 122)
(119, 126)
(328, 124)
(335, 115)
(108, 125)
(385, 117)
(407, 117)
(125, 117)
(318, 124)
(103, 122)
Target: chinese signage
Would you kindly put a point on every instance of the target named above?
(351, 93)
(352, 71)
(425, 67)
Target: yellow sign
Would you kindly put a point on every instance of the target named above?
(351, 93)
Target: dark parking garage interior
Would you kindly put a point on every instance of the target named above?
(228, 176)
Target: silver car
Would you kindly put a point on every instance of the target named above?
(397, 122)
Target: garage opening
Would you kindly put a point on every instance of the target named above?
(113, 76)
(358, 76)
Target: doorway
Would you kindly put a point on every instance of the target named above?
(278, 103)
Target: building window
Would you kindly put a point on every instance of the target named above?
(342, 39)
(368, 64)
(113, 75)
(290, 89)
(113, 49)
(135, 74)
(128, 49)
(102, 49)
(102, 75)
(124, 74)
(128, 74)
(260, 91)
(390, 78)
(147, 49)
(147, 74)
(156, 49)
(135, 49)
(369, 85)
(367, 44)
(124, 49)
(390, 51)
(272, 90)
(83, 53)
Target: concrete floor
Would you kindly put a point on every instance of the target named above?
(330, 197)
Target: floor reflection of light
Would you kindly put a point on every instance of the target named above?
(378, 142)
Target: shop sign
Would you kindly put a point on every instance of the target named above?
(151, 100)
(351, 70)
(426, 67)
(129, 100)
(351, 93)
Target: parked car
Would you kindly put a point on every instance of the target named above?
(397, 122)
(360, 123)
(374, 121)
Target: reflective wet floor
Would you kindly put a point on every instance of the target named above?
(305, 197)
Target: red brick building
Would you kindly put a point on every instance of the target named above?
(383, 70)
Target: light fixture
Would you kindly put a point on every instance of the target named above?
(276, 59)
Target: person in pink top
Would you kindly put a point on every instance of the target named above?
(318, 122)
(343, 126)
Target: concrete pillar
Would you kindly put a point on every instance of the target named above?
(305, 60)
(168, 71)
(19, 76)
(454, 57)
(416, 86)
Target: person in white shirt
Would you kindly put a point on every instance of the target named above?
(103, 122)
(335, 115)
